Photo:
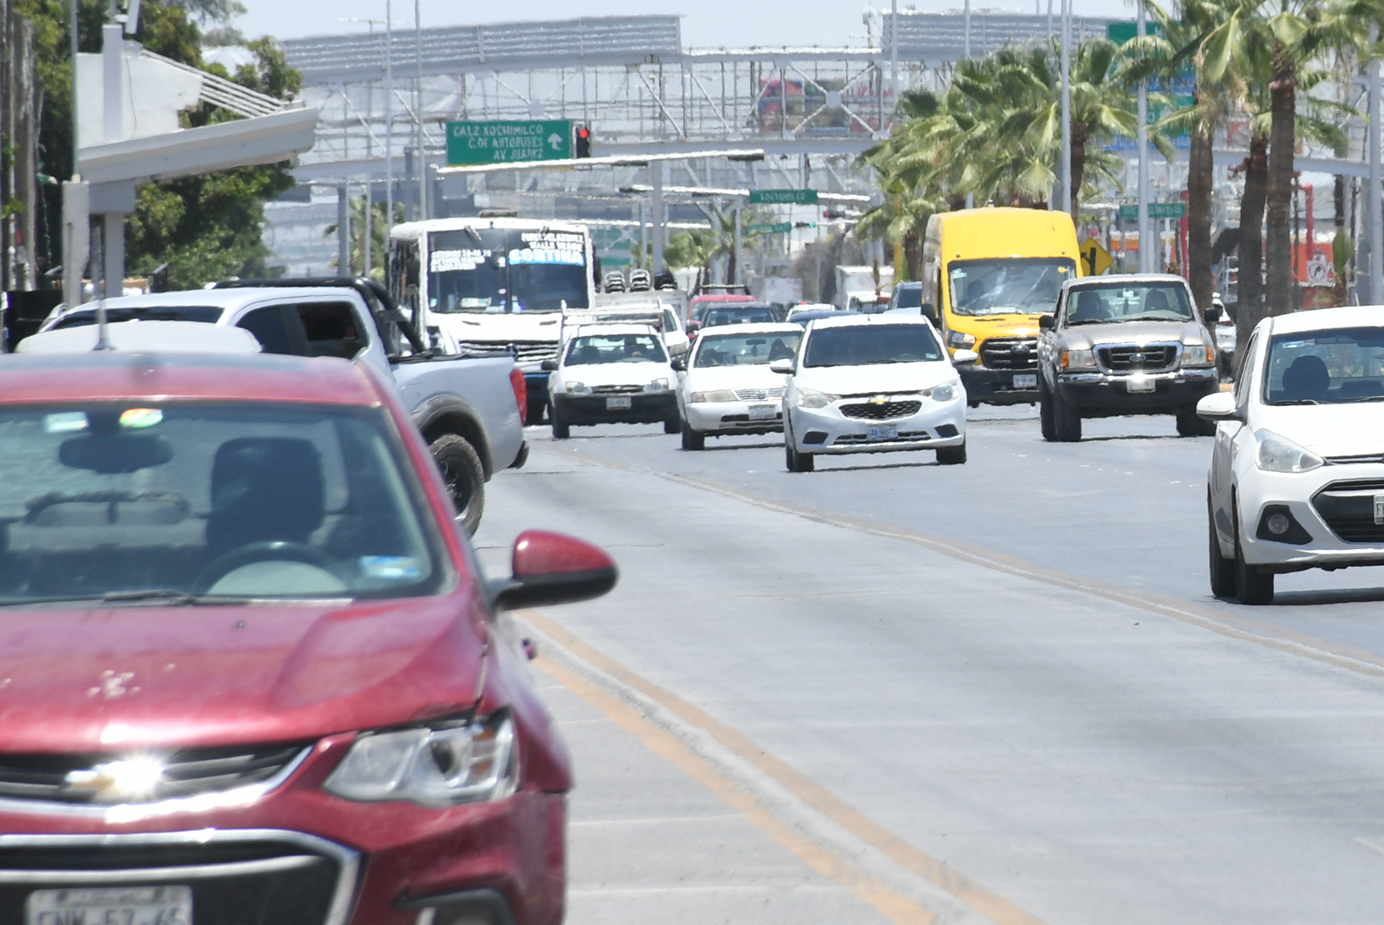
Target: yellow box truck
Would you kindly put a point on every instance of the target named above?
(989, 273)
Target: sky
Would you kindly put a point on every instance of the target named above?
(714, 24)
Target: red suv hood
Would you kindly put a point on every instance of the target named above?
(114, 679)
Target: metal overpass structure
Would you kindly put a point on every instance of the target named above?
(811, 111)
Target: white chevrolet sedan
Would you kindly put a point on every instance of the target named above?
(727, 386)
(871, 384)
(1297, 468)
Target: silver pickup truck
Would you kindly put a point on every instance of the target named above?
(1134, 344)
(468, 408)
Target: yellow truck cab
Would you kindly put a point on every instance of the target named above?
(990, 273)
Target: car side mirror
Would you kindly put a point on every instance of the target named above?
(962, 357)
(550, 568)
(1219, 406)
(678, 350)
(680, 364)
(782, 367)
(549, 365)
(1047, 322)
(929, 311)
(693, 327)
(1213, 314)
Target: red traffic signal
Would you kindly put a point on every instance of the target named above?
(581, 140)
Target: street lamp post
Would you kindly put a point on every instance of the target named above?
(388, 113)
(418, 109)
(1066, 107)
(1145, 231)
(1376, 208)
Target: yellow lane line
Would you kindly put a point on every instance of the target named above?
(894, 906)
(988, 903)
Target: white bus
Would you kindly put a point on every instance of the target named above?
(494, 283)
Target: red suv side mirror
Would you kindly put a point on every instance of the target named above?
(550, 568)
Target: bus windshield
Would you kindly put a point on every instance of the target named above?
(1008, 286)
(506, 270)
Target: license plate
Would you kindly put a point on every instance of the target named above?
(763, 412)
(619, 403)
(1379, 509)
(142, 905)
(882, 432)
(1025, 380)
(1141, 384)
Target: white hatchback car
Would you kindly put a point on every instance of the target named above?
(727, 386)
(1297, 468)
(611, 374)
(871, 384)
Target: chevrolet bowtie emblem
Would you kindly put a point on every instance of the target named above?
(880, 400)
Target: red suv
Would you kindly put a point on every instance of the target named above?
(249, 668)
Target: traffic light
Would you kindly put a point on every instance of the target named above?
(581, 140)
(830, 214)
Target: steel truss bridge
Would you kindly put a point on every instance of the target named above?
(812, 111)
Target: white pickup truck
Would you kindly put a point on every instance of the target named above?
(467, 407)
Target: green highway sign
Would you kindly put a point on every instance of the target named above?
(505, 141)
(769, 228)
(1156, 210)
(1121, 31)
(783, 197)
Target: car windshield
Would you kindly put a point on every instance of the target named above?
(1325, 367)
(207, 314)
(184, 502)
(595, 349)
(1008, 286)
(872, 344)
(1116, 302)
(719, 316)
(747, 349)
(906, 296)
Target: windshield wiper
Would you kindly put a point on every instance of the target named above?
(1301, 401)
(1154, 318)
(169, 596)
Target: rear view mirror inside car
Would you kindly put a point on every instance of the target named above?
(115, 453)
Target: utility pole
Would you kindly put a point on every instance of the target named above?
(1376, 208)
(388, 113)
(656, 175)
(1066, 107)
(893, 55)
(966, 26)
(1145, 231)
(418, 108)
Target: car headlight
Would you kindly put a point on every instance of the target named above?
(658, 385)
(1279, 454)
(1194, 355)
(578, 388)
(811, 398)
(716, 395)
(942, 392)
(441, 766)
(958, 339)
(1078, 359)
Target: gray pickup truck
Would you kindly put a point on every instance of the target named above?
(1133, 344)
(468, 407)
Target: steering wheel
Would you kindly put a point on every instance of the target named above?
(261, 551)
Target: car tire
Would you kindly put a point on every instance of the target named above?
(1189, 425)
(1066, 420)
(692, 439)
(798, 462)
(465, 477)
(1045, 413)
(1252, 586)
(561, 429)
(951, 455)
(673, 425)
(534, 415)
(1222, 568)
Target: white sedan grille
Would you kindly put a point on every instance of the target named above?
(759, 394)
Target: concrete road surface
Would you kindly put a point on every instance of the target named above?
(891, 691)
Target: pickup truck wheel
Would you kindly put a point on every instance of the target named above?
(673, 425)
(1222, 569)
(951, 455)
(561, 429)
(1252, 586)
(1045, 421)
(465, 478)
(692, 439)
(1066, 421)
(1189, 425)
